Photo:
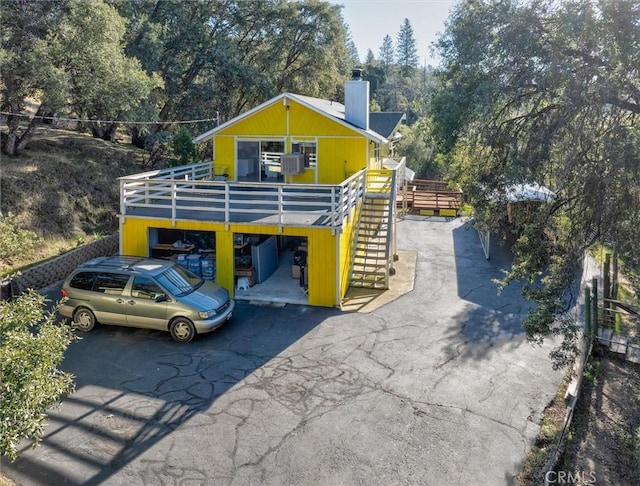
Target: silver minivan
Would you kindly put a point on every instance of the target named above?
(144, 292)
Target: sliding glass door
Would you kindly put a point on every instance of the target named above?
(259, 160)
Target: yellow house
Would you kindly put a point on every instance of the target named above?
(296, 203)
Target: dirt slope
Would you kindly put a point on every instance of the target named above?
(64, 186)
(604, 442)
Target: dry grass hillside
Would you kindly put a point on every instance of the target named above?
(64, 188)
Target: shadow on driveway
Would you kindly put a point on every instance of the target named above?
(492, 317)
(134, 387)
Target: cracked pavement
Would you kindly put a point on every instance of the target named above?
(438, 387)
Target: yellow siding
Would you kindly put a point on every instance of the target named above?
(339, 159)
(306, 122)
(225, 260)
(322, 267)
(341, 151)
(224, 155)
(270, 121)
(307, 177)
(321, 258)
(134, 236)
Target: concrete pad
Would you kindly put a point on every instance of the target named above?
(367, 300)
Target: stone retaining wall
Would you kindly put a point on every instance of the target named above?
(57, 269)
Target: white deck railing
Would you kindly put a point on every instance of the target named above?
(187, 192)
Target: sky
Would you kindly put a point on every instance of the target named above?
(370, 20)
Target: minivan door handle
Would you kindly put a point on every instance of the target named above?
(122, 301)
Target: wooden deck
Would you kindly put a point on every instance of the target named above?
(430, 197)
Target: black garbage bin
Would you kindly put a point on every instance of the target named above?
(300, 259)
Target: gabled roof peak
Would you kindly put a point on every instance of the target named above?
(330, 108)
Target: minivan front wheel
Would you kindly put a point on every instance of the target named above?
(84, 319)
(182, 330)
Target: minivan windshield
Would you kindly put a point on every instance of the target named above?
(179, 281)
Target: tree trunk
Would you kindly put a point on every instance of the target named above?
(9, 147)
(10, 144)
(137, 137)
(16, 142)
(111, 133)
(30, 131)
(97, 131)
(105, 133)
(614, 284)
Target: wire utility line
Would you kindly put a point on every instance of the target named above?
(122, 122)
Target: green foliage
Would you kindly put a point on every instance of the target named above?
(25, 63)
(24, 27)
(183, 148)
(545, 93)
(370, 58)
(229, 56)
(376, 74)
(352, 49)
(15, 241)
(592, 370)
(69, 55)
(32, 346)
(637, 451)
(417, 147)
(105, 84)
(396, 83)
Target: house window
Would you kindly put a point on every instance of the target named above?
(259, 160)
(308, 148)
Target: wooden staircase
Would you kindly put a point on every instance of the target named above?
(371, 257)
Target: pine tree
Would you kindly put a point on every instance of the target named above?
(370, 58)
(406, 49)
(387, 56)
(352, 49)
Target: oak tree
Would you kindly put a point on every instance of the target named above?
(549, 93)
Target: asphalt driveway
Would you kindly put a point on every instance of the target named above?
(438, 387)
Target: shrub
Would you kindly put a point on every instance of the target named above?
(15, 242)
(32, 346)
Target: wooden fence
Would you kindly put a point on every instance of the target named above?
(617, 321)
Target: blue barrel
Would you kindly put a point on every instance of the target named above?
(194, 264)
(208, 267)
